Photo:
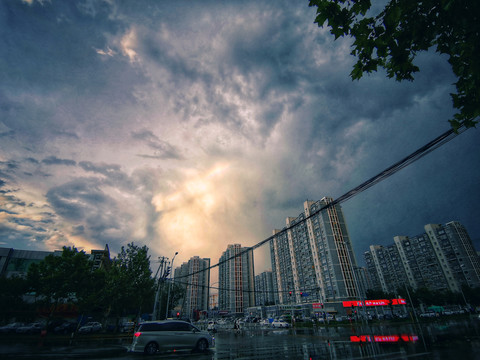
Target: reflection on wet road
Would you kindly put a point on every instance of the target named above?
(439, 340)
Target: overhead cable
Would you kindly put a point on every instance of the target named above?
(416, 155)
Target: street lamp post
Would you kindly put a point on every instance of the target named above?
(170, 286)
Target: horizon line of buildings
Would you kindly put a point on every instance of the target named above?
(312, 262)
(441, 258)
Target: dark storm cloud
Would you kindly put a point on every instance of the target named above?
(74, 200)
(51, 29)
(67, 134)
(112, 173)
(7, 211)
(162, 149)
(32, 160)
(28, 223)
(78, 230)
(97, 215)
(271, 66)
(86, 79)
(11, 199)
(10, 165)
(39, 93)
(53, 160)
(14, 238)
(7, 134)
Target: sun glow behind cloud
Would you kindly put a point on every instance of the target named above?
(253, 94)
(198, 216)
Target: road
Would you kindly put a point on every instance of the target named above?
(439, 340)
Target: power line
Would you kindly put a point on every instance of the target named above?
(184, 283)
(410, 159)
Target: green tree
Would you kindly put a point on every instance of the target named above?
(60, 279)
(394, 37)
(177, 297)
(12, 304)
(129, 287)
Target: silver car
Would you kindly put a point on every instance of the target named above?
(153, 336)
(90, 327)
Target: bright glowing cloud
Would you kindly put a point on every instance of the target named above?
(128, 44)
(204, 213)
(188, 126)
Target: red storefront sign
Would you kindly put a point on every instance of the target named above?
(382, 302)
(384, 338)
(352, 303)
(377, 302)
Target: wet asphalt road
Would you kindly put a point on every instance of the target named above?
(440, 340)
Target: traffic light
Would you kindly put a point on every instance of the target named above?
(290, 293)
(178, 315)
(301, 293)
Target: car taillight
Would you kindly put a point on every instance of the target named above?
(137, 334)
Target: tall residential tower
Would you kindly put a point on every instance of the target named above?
(313, 258)
(194, 276)
(442, 258)
(236, 279)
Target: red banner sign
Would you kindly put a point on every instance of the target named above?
(384, 338)
(382, 302)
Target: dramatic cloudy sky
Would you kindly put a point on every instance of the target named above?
(190, 125)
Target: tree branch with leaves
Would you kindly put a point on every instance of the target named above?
(393, 38)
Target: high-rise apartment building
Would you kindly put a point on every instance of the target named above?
(467, 262)
(264, 290)
(312, 257)
(236, 279)
(194, 276)
(442, 258)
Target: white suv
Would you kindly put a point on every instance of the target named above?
(153, 336)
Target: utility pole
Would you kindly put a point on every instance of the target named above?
(163, 262)
(169, 286)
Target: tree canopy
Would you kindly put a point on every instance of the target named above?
(393, 38)
(61, 278)
(129, 285)
(124, 287)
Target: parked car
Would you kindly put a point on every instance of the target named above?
(429, 314)
(264, 322)
(153, 336)
(11, 328)
(90, 327)
(327, 317)
(31, 328)
(280, 324)
(65, 328)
